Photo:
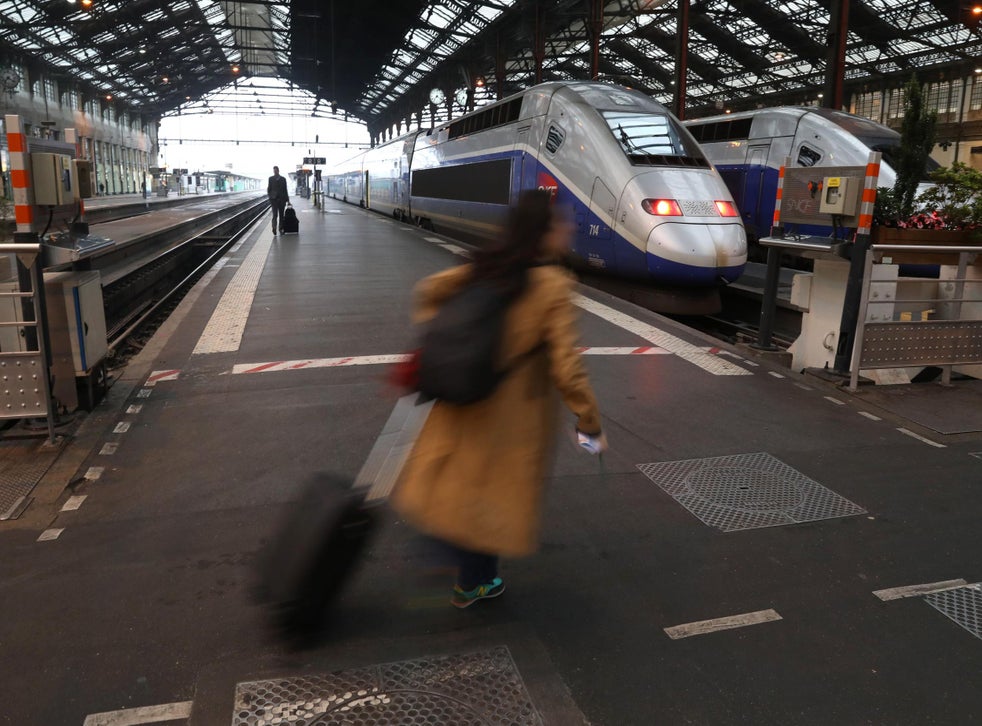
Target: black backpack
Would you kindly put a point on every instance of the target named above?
(461, 344)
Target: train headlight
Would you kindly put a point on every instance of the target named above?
(726, 209)
(662, 207)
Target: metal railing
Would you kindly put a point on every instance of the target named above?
(25, 386)
(936, 331)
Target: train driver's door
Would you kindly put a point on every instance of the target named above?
(753, 185)
(524, 169)
(594, 240)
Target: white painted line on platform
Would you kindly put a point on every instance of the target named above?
(870, 416)
(369, 360)
(456, 250)
(728, 623)
(158, 376)
(896, 593)
(687, 351)
(775, 374)
(50, 534)
(74, 503)
(224, 331)
(142, 715)
(108, 449)
(144, 393)
(94, 473)
(122, 427)
(134, 409)
(927, 441)
(836, 401)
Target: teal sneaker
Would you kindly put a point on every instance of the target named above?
(466, 598)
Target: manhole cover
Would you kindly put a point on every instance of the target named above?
(744, 488)
(476, 689)
(963, 605)
(747, 491)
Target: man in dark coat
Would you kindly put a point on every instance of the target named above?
(278, 196)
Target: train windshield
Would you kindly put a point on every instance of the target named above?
(654, 139)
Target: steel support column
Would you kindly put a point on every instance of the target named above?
(836, 63)
(539, 45)
(681, 60)
(596, 26)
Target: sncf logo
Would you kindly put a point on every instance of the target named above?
(545, 181)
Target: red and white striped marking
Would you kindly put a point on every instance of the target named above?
(20, 175)
(370, 360)
(158, 376)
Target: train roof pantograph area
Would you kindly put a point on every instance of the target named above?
(379, 60)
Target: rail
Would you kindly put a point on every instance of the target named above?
(933, 322)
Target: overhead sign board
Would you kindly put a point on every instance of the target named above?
(314, 160)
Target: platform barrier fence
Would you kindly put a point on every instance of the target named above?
(919, 321)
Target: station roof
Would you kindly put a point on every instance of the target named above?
(379, 59)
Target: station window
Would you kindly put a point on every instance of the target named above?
(975, 102)
(895, 107)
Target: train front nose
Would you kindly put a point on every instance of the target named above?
(697, 254)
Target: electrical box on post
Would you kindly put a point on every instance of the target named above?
(836, 198)
(54, 182)
(82, 170)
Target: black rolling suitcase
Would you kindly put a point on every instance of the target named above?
(319, 542)
(289, 224)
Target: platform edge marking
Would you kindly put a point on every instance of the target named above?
(730, 622)
(694, 354)
(924, 439)
(225, 328)
(73, 503)
(897, 593)
(141, 715)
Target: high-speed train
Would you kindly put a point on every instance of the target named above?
(647, 203)
(748, 149)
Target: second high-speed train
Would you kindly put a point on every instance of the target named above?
(647, 203)
(748, 148)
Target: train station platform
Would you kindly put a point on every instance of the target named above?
(757, 547)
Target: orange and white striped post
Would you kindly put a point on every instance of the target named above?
(20, 175)
(869, 195)
(777, 229)
(857, 267)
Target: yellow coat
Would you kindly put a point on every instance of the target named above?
(475, 477)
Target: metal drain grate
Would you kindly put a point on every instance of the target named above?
(22, 464)
(747, 491)
(963, 605)
(475, 689)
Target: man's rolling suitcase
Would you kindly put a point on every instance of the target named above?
(320, 540)
(289, 224)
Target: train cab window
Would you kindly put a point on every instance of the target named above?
(554, 138)
(808, 156)
(654, 139)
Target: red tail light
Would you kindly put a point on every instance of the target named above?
(726, 209)
(662, 207)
